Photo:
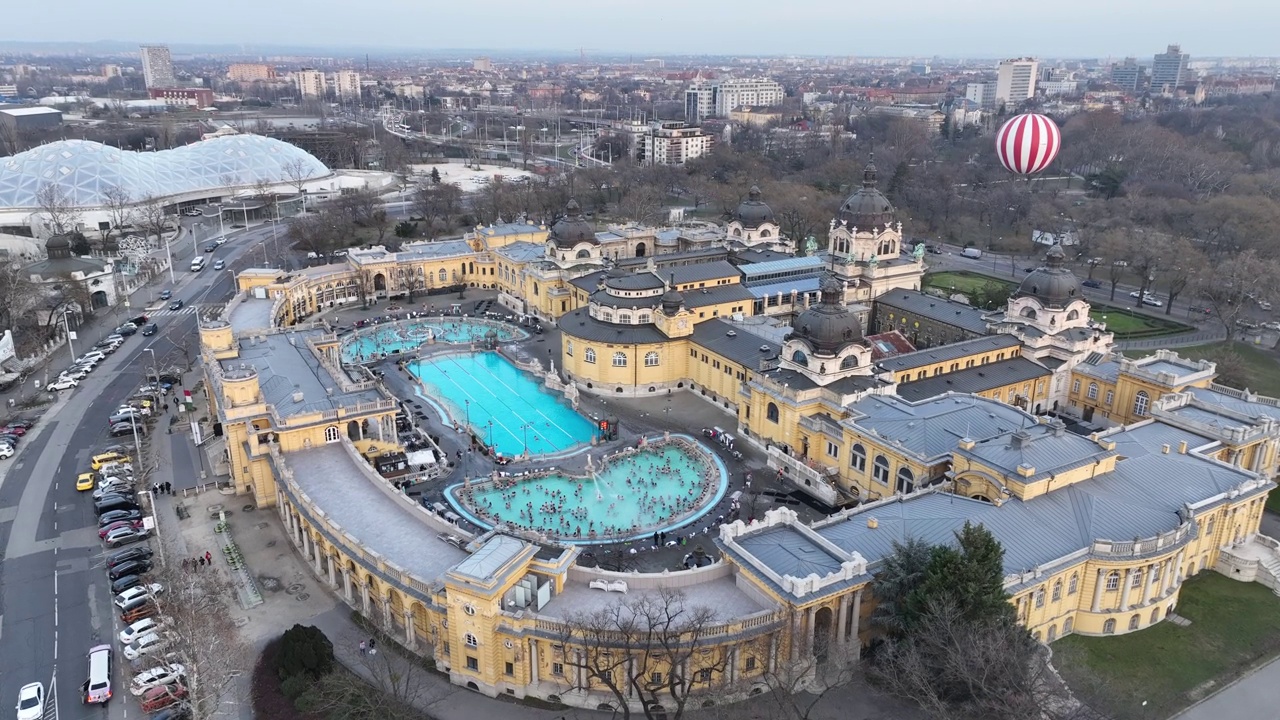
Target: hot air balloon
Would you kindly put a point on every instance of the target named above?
(1026, 144)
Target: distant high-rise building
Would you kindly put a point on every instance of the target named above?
(1127, 75)
(747, 92)
(699, 102)
(346, 84)
(1169, 70)
(673, 143)
(310, 83)
(1016, 82)
(981, 94)
(157, 67)
(250, 72)
(482, 64)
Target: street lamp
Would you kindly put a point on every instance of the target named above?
(468, 403)
(525, 427)
(67, 328)
(490, 434)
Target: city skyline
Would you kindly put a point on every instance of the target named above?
(746, 28)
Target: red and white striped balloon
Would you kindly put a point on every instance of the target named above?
(1026, 144)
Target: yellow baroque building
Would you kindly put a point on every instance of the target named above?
(1100, 531)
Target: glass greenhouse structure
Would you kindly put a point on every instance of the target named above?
(86, 170)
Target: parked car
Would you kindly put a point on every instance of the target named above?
(73, 373)
(140, 552)
(136, 630)
(150, 329)
(1090, 283)
(124, 428)
(147, 644)
(112, 488)
(63, 383)
(156, 676)
(127, 415)
(125, 536)
(159, 698)
(125, 583)
(135, 567)
(6, 451)
(94, 355)
(118, 515)
(132, 594)
(145, 610)
(112, 527)
(31, 701)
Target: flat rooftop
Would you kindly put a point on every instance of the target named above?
(721, 594)
(251, 314)
(330, 476)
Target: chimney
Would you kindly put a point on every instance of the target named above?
(1164, 449)
(1020, 440)
(872, 523)
(297, 396)
(1182, 447)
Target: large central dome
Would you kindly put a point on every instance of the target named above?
(829, 326)
(754, 212)
(1053, 284)
(573, 228)
(868, 207)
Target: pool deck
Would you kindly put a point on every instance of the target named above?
(721, 594)
(338, 486)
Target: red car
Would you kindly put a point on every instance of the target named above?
(162, 696)
(14, 430)
(105, 530)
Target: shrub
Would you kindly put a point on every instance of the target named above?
(294, 686)
(265, 693)
(304, 651)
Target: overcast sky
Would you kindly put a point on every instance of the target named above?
(985, 28)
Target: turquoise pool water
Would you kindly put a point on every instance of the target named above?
(483, 387)
(663, 486)
(408, 335)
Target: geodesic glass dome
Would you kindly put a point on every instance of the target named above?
(87, 169)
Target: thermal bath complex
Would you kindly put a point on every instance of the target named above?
(405, 336)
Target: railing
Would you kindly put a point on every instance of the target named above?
(574, 633)
(1132, 548)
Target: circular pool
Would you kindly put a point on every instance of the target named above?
(664, 485)
(403, 336)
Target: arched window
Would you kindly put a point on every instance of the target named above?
(1113, 580)
(1057, 590)
(568, 348)
(1134, 622)
(651, 359)
(1073, 315)
(849, 361)
(471, 640)
(1073, 583)
(771, 413)
(906, 480)
(798, 357)
(1039, 596)
(331, 434)
(619, 359)
(1053, 633)
(1155, 616)
(606, 315)
(765, 233)
(444, 275)
(880, 470)
(590, 356)
(1093, 391)
(1067, 625)
(1141, 402)
(1109, 627)
(583, 254)
(1029, 313)
(858, 458)
(954, 367)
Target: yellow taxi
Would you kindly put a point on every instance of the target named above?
(103, 459)
(87, 481)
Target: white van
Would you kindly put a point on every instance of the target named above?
(198, 264)
(97, 689)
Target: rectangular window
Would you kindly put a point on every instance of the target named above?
(1075, 385)
(1110, 396)
(751, 664)
(511, 669)
(704, 675)
(833, 450)
(446, 648)
(655, 678)
(557, 669)
(472, 663)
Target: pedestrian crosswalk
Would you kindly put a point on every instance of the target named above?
(187, 310)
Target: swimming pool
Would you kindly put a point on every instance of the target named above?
(663, 486)
(404, 336)
(479, 388)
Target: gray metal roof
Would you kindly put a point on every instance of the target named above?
(635, 281)
(936, 308)
(1253, 408)
(977, 379)
(934, 426)
(1209, 417)
(1047, 449)
(746, 258)
(251, 314)
(788, 552)
(788, 264)
(491, 557)
(701, 297)
(1108, 370)
(1167, 366)
(603, 297)
(742, 345)
(522, 252)
(702, 272)
(579, 324)
(943, 353)
(286, 367)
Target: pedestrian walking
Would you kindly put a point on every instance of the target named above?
(361, 647)
(202, 561)
(372, 649)
(186, 565)
(208, 556)
(168, 487)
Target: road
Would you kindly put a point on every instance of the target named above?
(54, 595)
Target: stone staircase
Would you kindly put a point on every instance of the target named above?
(1255, 560)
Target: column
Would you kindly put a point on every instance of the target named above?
(811, 622)
(773, 653)
(857, 622)
(346, 585)
(306, 545)
(319, 559)
(731, 672)
(333, 571)
(1181, 562)
(795, 635)
(1124, 589)
(842, 622)
(1146, 584)
(387, 622)
(364, 599)
(1170, 569)
(1097, 591)
(410, 635)
(533, 661)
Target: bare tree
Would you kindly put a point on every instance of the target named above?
(203, 633)
(1234, 284)
(61, 213)
(152, 217)
(641, 204)
(320, 234)
(654, 647)
(436, 203)
(382, 685)
(798, 688)
(297, 172)
(119, 206)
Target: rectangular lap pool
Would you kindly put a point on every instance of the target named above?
(484, 387)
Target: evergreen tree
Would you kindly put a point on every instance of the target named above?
(896, 586)
(435, 176)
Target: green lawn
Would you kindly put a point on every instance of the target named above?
(1233, 626)
(1255, 369)
(961, 282)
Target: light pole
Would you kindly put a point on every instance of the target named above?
(525, 428)
(168, 254)
(468, 403)
(67, 328)
(491, 434)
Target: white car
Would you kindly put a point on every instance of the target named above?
(31, 701)
(138, 591)
(75, 373)
(93, 355)
(220, 240)
(147, 644)
(6, 451)
(139, 628)
(163, 675)
(63, 383)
